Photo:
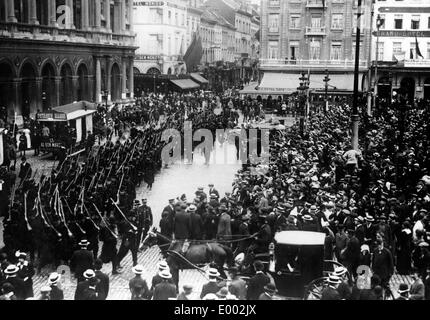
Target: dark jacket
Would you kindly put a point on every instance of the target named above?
(81, 261)
(330, 293)
(88, 291)
(196, 226)
(164, 291)
(139, 289)
(56, 293)
(182, 225)
(103, 284)
(382, 263)
(256, 286)
(19, 287)
(210, 287)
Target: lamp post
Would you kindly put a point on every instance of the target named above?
(355, 117)
(379, 23)
(326, 80)
(304, 85)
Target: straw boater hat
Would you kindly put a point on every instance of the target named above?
(307, 217)
(45, 289)
(212, 272)
(11, 269)
(137, 269)
(54, 278)
(340, 271)
(89, 274)
(334, 279)
(162, 265)
(84, 243)
(165, 274)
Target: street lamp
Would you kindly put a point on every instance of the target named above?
(355, 117)
(304, 86)
(326, 80)
(379, 23)
(153, 76)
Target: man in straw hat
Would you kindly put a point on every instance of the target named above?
(82, 259)
(212, 286)
(45, 293)
(164, 290)
(11, 273)
(162, 265)
(56, 292)
(88, 289)
(138, 286)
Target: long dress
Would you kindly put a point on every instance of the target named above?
(404, 249)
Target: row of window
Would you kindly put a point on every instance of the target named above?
(400, 22)
(399, 48)
(337, 21)
(336, 50)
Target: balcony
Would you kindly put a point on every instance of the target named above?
(285, 64)
(315, 31)
(50, 33)
(315, 4)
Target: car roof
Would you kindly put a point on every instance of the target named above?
(300, 238)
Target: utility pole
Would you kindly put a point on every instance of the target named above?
(355, 117)
(326, 80)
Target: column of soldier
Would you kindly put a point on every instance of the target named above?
(80, 203)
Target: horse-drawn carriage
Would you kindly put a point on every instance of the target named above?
(297, 264)
(295, 260)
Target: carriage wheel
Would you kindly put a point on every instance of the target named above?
(314, 289)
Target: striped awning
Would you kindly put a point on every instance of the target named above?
(197, 77)
(279, 83)
(185, 84)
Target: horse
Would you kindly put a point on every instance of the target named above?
(197, 254)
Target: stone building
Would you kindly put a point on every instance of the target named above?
(54, 52)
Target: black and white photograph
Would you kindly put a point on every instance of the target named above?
(195, 150)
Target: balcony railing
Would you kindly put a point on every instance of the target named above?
(315, 4)
(303, 64)
(315, 31)
(51, 33)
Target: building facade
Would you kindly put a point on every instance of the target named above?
(401, 48)
(312, 36)
(161, 35)
(54, 52)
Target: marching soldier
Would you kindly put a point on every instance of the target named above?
(144, 220)
(129, 241)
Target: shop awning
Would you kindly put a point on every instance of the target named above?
(279, 83)
(197, 77)
(185, 84)
(337, 82)
(67, 112)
